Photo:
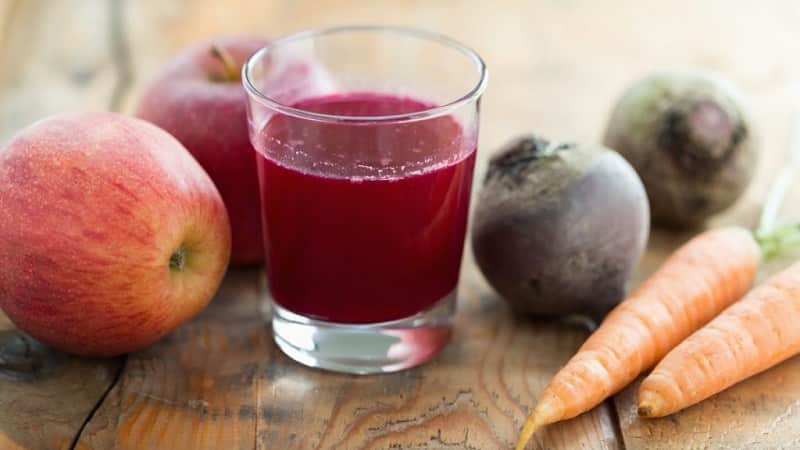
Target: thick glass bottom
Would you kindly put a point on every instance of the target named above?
(365, 348)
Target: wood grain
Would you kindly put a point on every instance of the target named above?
(761, 413)
(46, 396)
(219, 382)
(556, 68)
(472, 396)
(198, 387)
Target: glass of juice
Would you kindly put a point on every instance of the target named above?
(365, 144)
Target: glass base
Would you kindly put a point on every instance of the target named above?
(365, 348)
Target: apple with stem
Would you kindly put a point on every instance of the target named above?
(199, 99)
(111, 234)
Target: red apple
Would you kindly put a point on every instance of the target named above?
(111, 234)
(200, 100)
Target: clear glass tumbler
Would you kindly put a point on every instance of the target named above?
(366, 140)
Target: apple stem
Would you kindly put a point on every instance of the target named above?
(177, 261)
(229, 69)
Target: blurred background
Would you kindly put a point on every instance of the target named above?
(556, 65)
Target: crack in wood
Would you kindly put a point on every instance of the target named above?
(462, 444)
(100, 401)
(616, 426)
(377, 406)
(401, 424)
(258, 408)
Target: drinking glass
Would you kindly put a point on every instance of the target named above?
(365, 144)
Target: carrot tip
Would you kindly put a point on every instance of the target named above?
(645, 410)
(531, 427)
(540, 417)
(651, 404)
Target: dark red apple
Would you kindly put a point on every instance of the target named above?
(111, 234)
(199, 99)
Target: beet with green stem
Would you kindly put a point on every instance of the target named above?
(558, 228)
(688, 137)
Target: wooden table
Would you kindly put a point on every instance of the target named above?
(219, 382)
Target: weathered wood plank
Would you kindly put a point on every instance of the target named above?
(758, 413)
(198, 387)
(55, 57)
(46, 396)
(472, 396)
(219, 382)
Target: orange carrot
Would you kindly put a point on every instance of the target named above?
(753, 335)
(694, 284)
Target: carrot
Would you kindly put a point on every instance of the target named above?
(753, 335)
(694, 284)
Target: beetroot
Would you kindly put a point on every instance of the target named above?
(558, 228)
(688, 136)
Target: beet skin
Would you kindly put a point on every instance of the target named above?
(559, 228)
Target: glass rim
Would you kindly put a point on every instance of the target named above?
(474, 93)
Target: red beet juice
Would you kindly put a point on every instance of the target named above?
(364, 221)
